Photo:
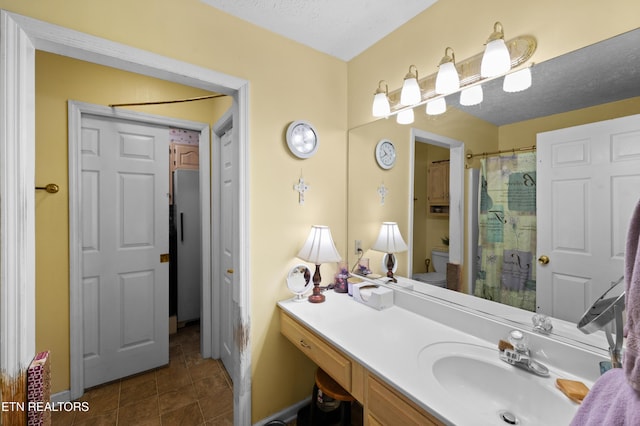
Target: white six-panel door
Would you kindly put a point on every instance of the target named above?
(588, 184)
(228, 249)
(124, 188)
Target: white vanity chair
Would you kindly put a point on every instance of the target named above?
(438, 278)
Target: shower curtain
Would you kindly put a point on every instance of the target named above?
(507, 230)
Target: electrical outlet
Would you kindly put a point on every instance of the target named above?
(358, 246)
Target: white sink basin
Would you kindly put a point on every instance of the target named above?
(482, 389)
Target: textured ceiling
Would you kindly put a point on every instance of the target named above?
(340, 28)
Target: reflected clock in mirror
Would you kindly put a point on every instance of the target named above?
(386, 154)
(299, 281)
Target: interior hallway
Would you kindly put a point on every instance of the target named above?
(189, 391)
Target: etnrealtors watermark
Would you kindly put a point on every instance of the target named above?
(39, 406)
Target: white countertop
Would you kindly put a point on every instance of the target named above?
(388, 343)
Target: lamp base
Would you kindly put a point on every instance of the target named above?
(390, 264)
(317, 296)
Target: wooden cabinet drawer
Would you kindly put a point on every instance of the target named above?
(320, 352)
(386, 407)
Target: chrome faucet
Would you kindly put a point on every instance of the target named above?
(519, 355)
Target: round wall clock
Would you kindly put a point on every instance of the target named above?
(302, 139)
(386, 154)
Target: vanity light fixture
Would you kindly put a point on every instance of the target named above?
(436, 106)
(496, 59)
(517, 81)
(390, 241)
(465, 76)
(381, 107)
(318, 249)
(471, 96)
(410, 94)
(447, 80)
(406, 116)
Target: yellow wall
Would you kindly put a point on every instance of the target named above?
(523, 134)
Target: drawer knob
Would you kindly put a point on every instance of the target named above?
(304, 344)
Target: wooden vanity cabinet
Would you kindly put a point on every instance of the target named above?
(383, 405)
(323, 354)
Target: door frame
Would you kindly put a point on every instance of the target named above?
(456, 190)
(20, 37)
(76, 315)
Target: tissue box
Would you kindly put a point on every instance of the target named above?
(373, 295)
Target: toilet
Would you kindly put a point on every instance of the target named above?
(439, 259)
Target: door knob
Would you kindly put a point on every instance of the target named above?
(229, 271)
(543, 260)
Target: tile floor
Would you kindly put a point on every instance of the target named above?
(189, 391)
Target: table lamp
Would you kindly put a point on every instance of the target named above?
(390, 241)
(318, 249)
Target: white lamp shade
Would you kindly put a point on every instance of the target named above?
(319, 247)
(390, 240)
(436, 107)
(496, 59)
(381, 107)
(410, 94)
(447, 80)
(517, 81)
(405, 117)
(471, 96)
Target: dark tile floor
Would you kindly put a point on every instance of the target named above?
(189, 391)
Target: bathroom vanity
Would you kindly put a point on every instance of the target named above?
(421, 360)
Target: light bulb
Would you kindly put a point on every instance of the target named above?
(447, 80)
(410, 94)
(471, 96)
(381, 107)
(517, 81)
(436, 107)
(405, 117)
(496, 59)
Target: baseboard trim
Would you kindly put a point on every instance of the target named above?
(64, 396)
(288, 414)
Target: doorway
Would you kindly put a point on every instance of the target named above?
(20, 37)
(456, 190)
(86, 370)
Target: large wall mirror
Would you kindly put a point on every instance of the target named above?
(595, 83)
